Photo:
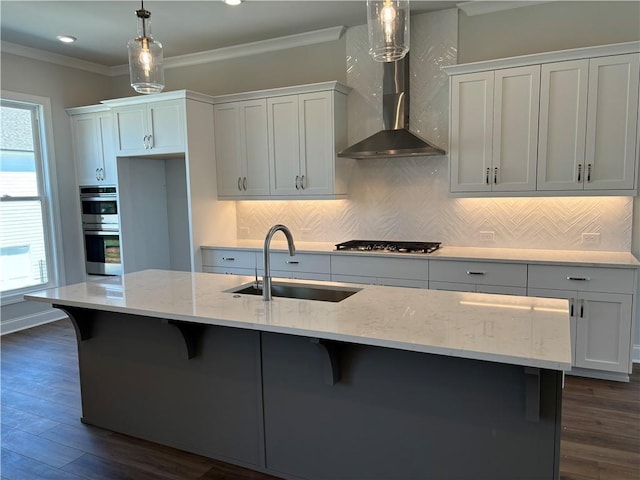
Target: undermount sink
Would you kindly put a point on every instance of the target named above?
(299, 290)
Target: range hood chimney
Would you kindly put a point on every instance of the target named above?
(395, 140)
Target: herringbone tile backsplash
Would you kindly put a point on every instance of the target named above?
(408, 198)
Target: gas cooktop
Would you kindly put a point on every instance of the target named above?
(388, 246)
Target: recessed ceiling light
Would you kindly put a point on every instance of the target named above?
(66, 38)
(232, 2)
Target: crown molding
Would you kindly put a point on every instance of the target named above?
(544, 57)
(246, 49)
(480, 7)
(55, 58)
(234, 51)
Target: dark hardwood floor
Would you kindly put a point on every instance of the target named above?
(42, 437)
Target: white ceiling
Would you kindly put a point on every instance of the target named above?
(103, 28)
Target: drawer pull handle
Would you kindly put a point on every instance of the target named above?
(470, 272)
(579, 279)
(229, 259)
(293, 262)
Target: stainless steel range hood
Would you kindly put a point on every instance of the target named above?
(395, 140)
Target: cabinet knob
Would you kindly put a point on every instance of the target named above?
(471, 272)
(240, 184)
(244, 184)
(297, 182)
(495, 175)
(97, 174)
(150, 141)
(302, 182)
(229, 259)
(579, 172)
(486, 179)
(588, 172)
(293, 262)
(579, 279)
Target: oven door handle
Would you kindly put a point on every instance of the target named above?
(93, 198)
(101, 232)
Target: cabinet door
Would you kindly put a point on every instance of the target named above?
(166, 126)
(603, 331)
(226, 131)
(86, 148)
(515, 129)
(317, 151)
(254, 147)
(131, 130)
(109, 174)
(471, 127)
(284, 149)
(612, 122)
(563, 123)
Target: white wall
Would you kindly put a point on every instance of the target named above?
(65, 87)
(293, 66)
(547, 27)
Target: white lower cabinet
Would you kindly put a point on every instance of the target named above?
(369, 270)
(601, 302)
(482, 277)
(229, 261)
(303, 266)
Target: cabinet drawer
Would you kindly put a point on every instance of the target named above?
(249, 272)
(389, 282)
(478, 273)
(380, 267)
(229, 258)
(323, 277)
(586, 279)
(300, 262)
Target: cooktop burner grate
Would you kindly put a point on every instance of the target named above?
(388, 246)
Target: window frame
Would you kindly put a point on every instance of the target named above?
(47, 181)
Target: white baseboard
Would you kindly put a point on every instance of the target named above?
(636, 354)
(601, 375)
(28, 321)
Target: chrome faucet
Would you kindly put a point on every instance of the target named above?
(266, 279)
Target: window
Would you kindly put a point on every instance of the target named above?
(27, 260)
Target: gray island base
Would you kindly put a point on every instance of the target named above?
(306, 408)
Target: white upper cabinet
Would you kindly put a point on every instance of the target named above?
(282, 143)
(612, 117)
(242, 159)
(151, 128)
(563, 125)
(559, 123)
(471, 145)
(494, 130)
(93, 149)
(588, 124)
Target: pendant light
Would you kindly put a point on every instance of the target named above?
(145, 57)
(388, 24)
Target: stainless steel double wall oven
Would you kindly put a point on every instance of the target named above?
(101, 230)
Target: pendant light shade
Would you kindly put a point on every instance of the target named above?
(145, 57)
(388, 23)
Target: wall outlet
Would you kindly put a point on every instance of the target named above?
(591, 238)
(487, 236)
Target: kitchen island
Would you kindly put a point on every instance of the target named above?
(389, 383)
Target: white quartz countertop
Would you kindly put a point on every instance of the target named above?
(507, 255)
(507, 329)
